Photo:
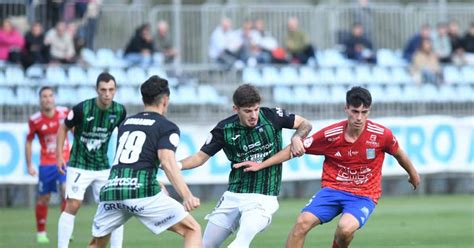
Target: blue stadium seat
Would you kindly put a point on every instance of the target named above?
(188, 95)
(282, 94)
(400, 75)
(429, 93)
(447, 93)
(332, 57)
(270, 76)
(308, 75)
(14, 75)
(209, 94)
(411, 93)
(85, 92)
(320, 94)
(468, 74)
(452, 75)
(136, 75)
(344, 75)
(128, 95)
(92, 74)
(2, 78)
(289, 75)
(381, 75)
(107, 58)
(302, 94)
(377, 92)
(337, 94)
(120, 76)
(157, 71)
(26, 95)
(386, 57)
(363, 75)
(465, 93)
(326, 75)
(55, 75)
(89, 57)
(35, 72)
(66, 95)
(8, 96)
(158, 59)
(394, 93)
(77, 75)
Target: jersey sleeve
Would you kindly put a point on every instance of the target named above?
(279, 117)
(31, 131)
(124, 115)
(169, 139)
(316, 143)
(74, 117)
(215, 142)
(390, 142)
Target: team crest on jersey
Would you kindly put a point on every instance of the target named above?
(112, 118)
(370, 153)
(307, 142)
(75, 189)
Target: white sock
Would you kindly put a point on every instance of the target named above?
(214, 235)
(65, 228)
(116, 238)
(251, 223)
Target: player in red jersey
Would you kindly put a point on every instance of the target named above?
(354, 152)
(45, 124)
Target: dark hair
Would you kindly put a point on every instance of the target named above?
(153, 90)
(45, 88)
(104, 77)
(357, 96)
(246, 95)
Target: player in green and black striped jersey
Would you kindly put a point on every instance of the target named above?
(254, 133)
(93, 122)
(146, 141)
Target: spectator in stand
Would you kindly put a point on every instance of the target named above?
(414, 42)
(78, 41)
(35, 52)
(442, 43)
(363, 14)
(264, 40)
(358, 47)
(61, 44)
(90, 22)
(163, 43)
(224, 44)
(457, 51)
(426, 67)
(468, 44)
(298, 44)
(140, 48)
(11, 43)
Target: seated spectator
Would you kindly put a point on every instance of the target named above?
(468, 44)
(297, 43)
(61, 44)
(442, 43)
(11, 43)
(35, 52)
(264, 41)
(224, 44)
(164, 44)
(78, 40)
(426, 67)
(415, 41)
(140, 48)
(358, 47)
(457, 51)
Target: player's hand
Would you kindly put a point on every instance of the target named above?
(248, 166)
(191, 203)
(31, 171)
(414, 180)
(61, 166)
(297, 147)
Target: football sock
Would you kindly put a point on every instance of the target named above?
(334, 244)
(214, 235)
(65, 228)
(116, 238)
(41, 214)
(251, 223)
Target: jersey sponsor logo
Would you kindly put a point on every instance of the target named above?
(355, 175)
(373, 137)
(92, 144)
(139, 121)
(209, 139)
(252, 146)
(307, 142)
(370, 153)
(125, 181)
(334, 138)
(90, 118)
(338, 154)
(121, 206)
(163, 221)
(174, 139)
(351, 152)
(235, 137)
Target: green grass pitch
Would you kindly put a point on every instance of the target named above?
(416, 221)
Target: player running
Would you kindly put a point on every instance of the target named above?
(354, 152)
(93, 121)
(146, 141)
(45, 124)
(255, 134)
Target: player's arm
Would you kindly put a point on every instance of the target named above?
(60, 138)
(407, 165)
(280, 157)
(168, 164)
(28, 153)
(193, 161)
(303, 127)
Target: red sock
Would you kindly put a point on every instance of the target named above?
(41, 214)
(63, 205)
(334, 245)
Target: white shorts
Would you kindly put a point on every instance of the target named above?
(77, 181)
(157, 213)
(231, 205)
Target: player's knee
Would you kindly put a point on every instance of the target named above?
(44, 199)
(72, 206)
(302, 226)
(344, 231)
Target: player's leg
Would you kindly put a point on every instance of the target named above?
(99, 242)
(46, 185)
(190, 230)
(77, 181)
(215, 235)
(108, 217)
(101, 178)
(61, 179)
(322, 208)
(346, 227)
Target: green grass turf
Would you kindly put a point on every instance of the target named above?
(417, 221)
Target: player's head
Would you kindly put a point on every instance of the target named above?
(106, 88)
(358, 102)
(155, 92)
(247, 104)
(46, 96)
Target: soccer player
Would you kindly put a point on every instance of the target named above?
(253, 133)
(93, 121)
(146, 141)
(354, 151)
(45, 124)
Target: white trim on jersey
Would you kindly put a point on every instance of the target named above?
(334, 131)
(374, 129)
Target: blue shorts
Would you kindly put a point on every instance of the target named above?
(329, 203)
(49, 177)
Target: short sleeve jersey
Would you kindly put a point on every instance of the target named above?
(92, 130)
(256, 144)
(46, 128)
(353, 167)
(133, 173)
